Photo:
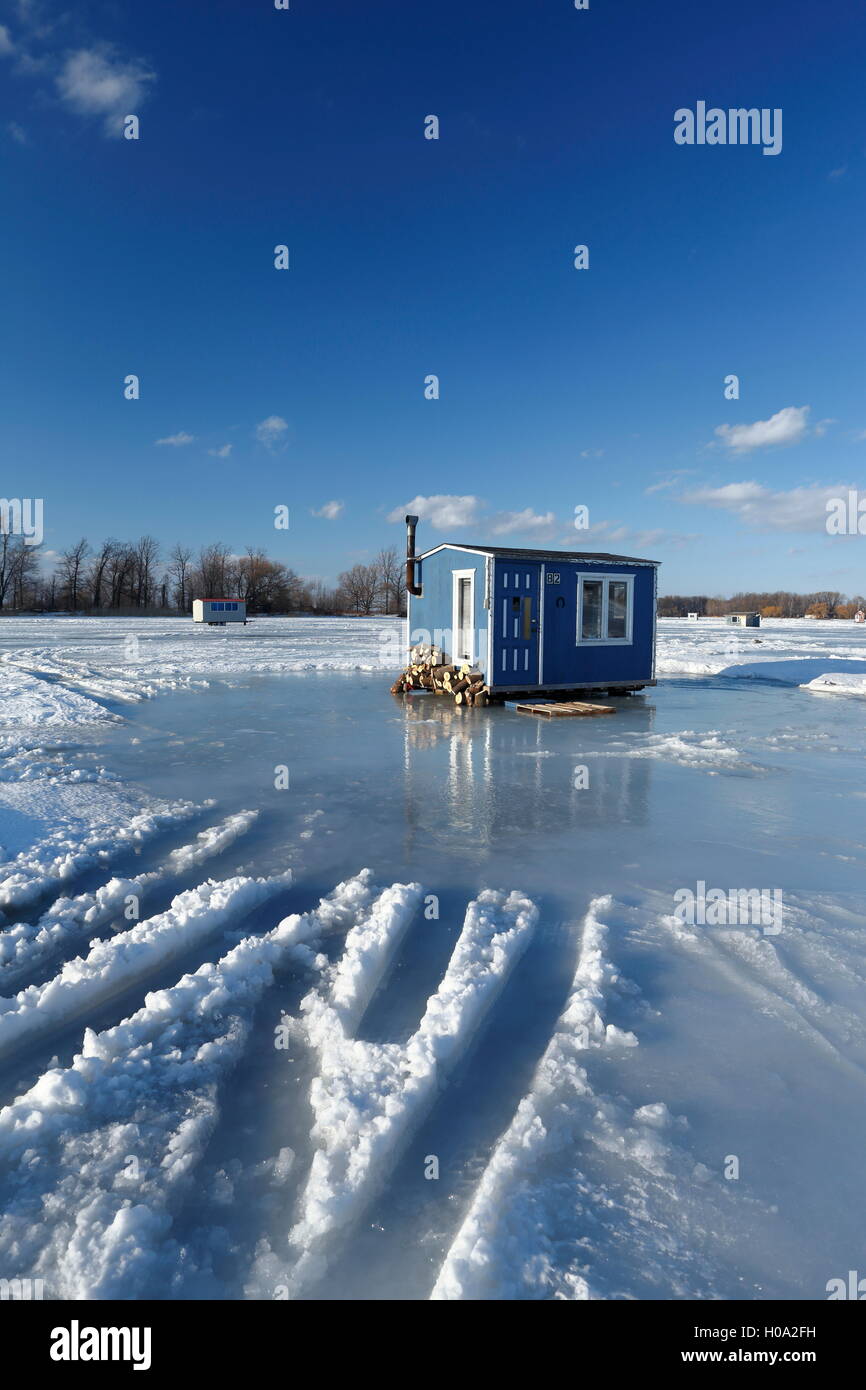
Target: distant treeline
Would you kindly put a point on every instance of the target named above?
(826, 604)
(124, 577)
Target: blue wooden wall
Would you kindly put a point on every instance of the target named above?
(430, 615)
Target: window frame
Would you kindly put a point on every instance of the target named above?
(456, 576)
(606, 581)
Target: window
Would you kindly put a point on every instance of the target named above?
(591, 607)
(604, 608)
(617, 610)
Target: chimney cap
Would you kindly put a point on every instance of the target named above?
(411, 521)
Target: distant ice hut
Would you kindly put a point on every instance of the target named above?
(216, 612)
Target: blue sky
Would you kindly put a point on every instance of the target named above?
(411, 257)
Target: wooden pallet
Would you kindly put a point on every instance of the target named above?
(558, 708)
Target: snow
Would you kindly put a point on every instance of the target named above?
(496, 1250)
(112, 965)
(781, 649)
(838, 683)
(26, 946)
(123, 1128)
(506, 989)
(367, 1097)
(51, 832)
(131, 659)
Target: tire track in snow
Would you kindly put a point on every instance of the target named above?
(26, 947)
(113, 965)
(753, 963)
(584, 1196)
(368, 1098)
(32, 874)
(96, 1157)
(474, 1266)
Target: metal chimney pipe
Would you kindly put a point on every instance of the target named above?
(411, 586)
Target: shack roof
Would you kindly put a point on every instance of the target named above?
(509, 552)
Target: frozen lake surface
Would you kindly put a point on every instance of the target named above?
(308, 991)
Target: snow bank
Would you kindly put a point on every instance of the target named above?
(501, 1247)
(94, 1156)
(779, 650)
(131, 659)
(708, 751)
(69, 829)
(369, 949)
(26, 701)
(369, 1097)
(115, 964)
(211, 841)
(838, 683)
(25, 945)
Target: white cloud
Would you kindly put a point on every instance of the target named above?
(444, 511)
(178, 440)
(592, 453)
(222, 452)
(670, 481)
(17, 132)
(97, 82)
(330, 510)
(635, 542)
(799, 509)
(507, 523)
(787, 426)
(271, 431)
(6, 44)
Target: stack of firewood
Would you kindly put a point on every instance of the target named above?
(465, 685)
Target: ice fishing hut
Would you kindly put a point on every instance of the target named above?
(535, 620)
(216, 612)
(744, 619)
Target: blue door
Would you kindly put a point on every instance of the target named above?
(515, 610)
(560, 623)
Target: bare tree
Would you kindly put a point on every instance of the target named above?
(212, 572)
(71, 571)
(390, 579)
(6, 561)
(360, 585)
(179, 564)
(120, 567)
(98, 566)
(146, 558)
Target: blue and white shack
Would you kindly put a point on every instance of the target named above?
(535, 620)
